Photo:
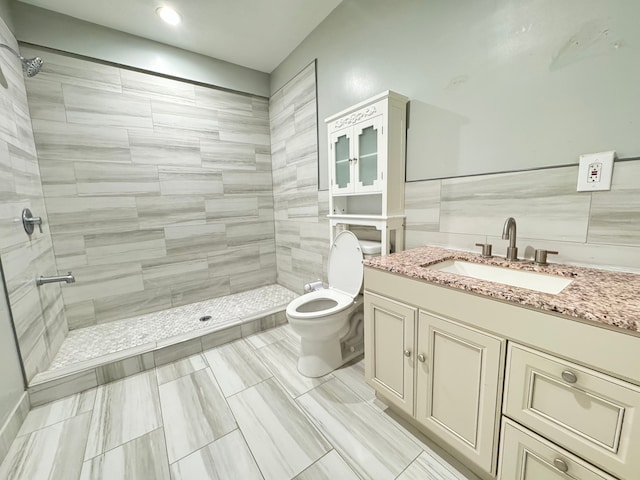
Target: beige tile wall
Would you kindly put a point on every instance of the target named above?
(38, 312)
(158, 192)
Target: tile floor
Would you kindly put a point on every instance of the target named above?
(239, 411)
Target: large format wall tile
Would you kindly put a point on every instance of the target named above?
(152, 175)
(301, 252)
(39, 318)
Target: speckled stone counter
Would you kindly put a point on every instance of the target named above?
(608, 297)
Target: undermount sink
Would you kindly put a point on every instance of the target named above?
(540, 282)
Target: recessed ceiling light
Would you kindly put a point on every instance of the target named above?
(169, 15)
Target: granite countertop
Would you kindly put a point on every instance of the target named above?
(602, 296)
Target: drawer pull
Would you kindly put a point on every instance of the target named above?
(561, 465)
(569, 377)
(407, 353)
(421, 358)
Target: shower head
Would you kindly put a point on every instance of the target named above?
(30, 66)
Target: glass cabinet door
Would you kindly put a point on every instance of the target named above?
(342, 165)
(368, 155)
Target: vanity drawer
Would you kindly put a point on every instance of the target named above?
(527, 456)
(591, 414)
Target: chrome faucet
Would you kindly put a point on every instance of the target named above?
(57, 278)
(509, 233)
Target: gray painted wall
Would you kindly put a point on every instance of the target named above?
(45, 28)
(5, 13)
(495, 86)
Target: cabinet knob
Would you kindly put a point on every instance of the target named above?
(421, 358)
(561, 465)
(407, 353)
(569, 377)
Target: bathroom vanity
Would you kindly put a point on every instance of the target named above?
(517, 383)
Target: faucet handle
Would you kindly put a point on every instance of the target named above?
(541, 256)
(486, 249)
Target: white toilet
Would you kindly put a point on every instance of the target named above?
(330, 321)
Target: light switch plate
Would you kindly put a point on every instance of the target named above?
(595, 172)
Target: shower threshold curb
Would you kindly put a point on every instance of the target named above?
(58, 383)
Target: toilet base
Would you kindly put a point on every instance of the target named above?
(320, 357)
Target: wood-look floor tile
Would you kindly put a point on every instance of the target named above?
(195, 413)
(144, 458)
(225, 459)
(236, 367)
(282, 440)
(329, 467)
(53, 453)
(180, 368)
(281, 358)
(372, 445)
(352, 376)
(265, 338)
(431, 467)
(124, 410)
(57, 411)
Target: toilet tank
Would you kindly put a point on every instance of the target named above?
(370, 248)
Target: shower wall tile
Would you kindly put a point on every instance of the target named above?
(167, 148)
(131, 304)
(190, 181)
(221, 155)
(62, 69)
(190, 120)
(166, 211)
(100, 281)
(89, 106)
(302, 231)
(166, 272)
(39, 320)
(184, 240)
(97, 179)
(151, 87)
(82, 143)
(120, 247)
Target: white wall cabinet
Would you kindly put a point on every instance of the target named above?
(358, 158)
(367, 167)
(479, 370)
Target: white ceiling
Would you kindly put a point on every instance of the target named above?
(258, 34)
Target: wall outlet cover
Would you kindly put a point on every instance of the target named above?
(595, 172)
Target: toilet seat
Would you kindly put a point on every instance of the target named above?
(345, 273)
(342, 301)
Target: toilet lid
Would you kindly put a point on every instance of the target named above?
(345, 264)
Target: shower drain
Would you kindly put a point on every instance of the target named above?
(206, 318)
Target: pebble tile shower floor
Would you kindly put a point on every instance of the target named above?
(238, 411)
(95, 341)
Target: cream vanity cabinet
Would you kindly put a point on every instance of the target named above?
(444, 374)
(367, 167)
(513, 392)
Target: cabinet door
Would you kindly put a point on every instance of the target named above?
(527, 456)
(342, 157)
(369, 152)
(388, 344)
(459, 385)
